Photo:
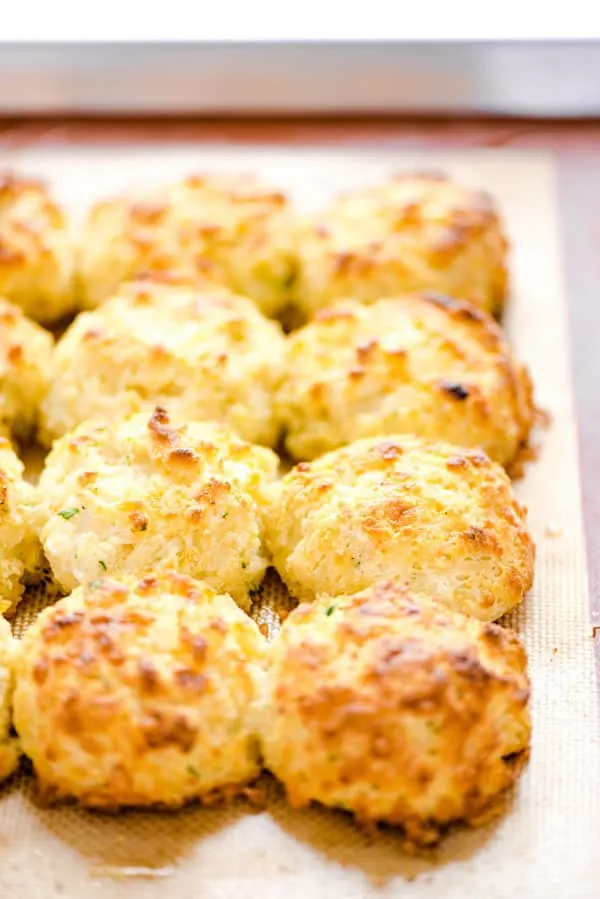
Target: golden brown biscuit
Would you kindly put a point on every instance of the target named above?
(413, 232)
(422, 364)
(9, 747)
(20, 551)
(145, 493)
(231, 227)
(444, 519)
(25, 363)
(205, 352)
(397, 710)
(36, 250)
(139, 692)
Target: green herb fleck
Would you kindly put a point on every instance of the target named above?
(68, 513)
(95, 584)
(244, 564)
(330, 610)
(193, 771)
(102, 564)
(225, 514)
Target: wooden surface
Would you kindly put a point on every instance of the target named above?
(577, 146)
(558, 135)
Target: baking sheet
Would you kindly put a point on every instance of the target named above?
(546, 845)
(291, 77)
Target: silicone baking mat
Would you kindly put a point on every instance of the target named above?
(546, 844)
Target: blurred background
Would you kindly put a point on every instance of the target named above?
(417, 77)
(316, 58)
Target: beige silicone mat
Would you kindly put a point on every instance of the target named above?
(548, 843)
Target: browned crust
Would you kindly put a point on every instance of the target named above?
(12, 187)
(466, 325)
(160, 430)
(492, 338)
(403, 669)
(49, 796)
(83, 656)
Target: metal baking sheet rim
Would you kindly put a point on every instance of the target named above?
(540, 79)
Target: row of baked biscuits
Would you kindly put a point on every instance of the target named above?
(145, 491)
(419, 363)
(409, 233)
(157, 691)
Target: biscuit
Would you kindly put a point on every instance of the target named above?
(421, 363)
(145, 493)
(36, 250)
(140, 692)
(229, 227)
(20, 551)
(443, 519)
(397, 710)
(25, 365)
(206, 353)
(411, 233)
(9, 747)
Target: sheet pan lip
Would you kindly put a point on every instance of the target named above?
(276, 77)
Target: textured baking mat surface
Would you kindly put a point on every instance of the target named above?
(546, 844)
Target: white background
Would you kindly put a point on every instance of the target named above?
(306, 19)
